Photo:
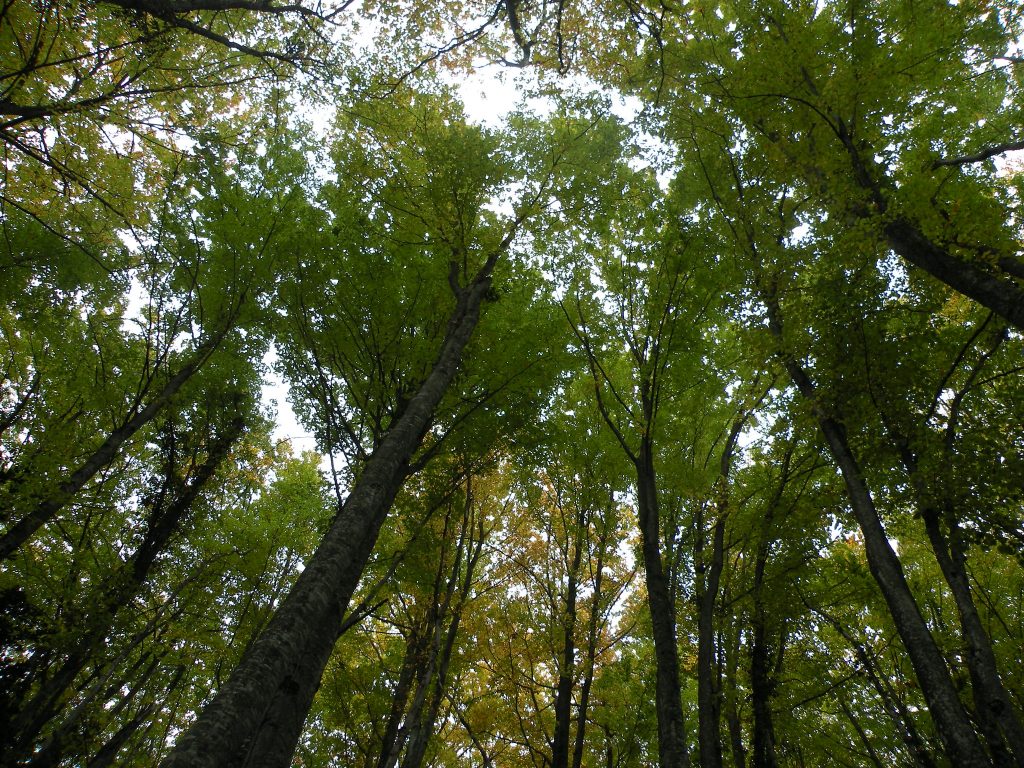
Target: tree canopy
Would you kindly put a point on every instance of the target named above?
(673, 415)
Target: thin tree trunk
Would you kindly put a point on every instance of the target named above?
(864, 738)
(592, 639)
(257, 718)
(709, 697)
(668, 692)
(122, 586)
(730, 644)
(50, 505)
(953, 725)
(895, 708)
(567, 664)
(761, 689)
(415, 650)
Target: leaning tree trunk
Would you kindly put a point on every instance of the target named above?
(257, 717)
(49, 505)
(995, 286)
(164, 520)
(952, 722)
(994, 710)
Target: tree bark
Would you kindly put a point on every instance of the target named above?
(954, 727)
(668, 691)
(567, 665)
(762, 683)
(1000, 293)
(281, 672)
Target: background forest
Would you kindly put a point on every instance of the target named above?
(675, 417)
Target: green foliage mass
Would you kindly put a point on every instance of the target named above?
(770, 250)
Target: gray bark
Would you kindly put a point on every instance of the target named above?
(954, 726)
(257, 717)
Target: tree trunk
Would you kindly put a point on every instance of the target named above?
(46, 508)
(668, 692)
(257, 718)
(592, 638)
(1002, 294)
(761, 679)
(164, 520)
(952, 723)
(993, 708)
(708, 696)
(567, 664)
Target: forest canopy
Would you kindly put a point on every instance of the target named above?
(672, 416)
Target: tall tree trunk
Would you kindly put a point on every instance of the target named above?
(567, 664)
(668, 692)
(472, 539)
(415, 652)
(994, 711)
(993, 708)
(761, 678)
(592, 639)
(954, 726)
(709, 578)
(257, 718)
(732, 714)
(708, 695)
(563, 690)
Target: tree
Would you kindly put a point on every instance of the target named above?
(258, 715)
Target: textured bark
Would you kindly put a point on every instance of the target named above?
(954, 727)
(668, 693)
(281, 671)
(46, 508)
